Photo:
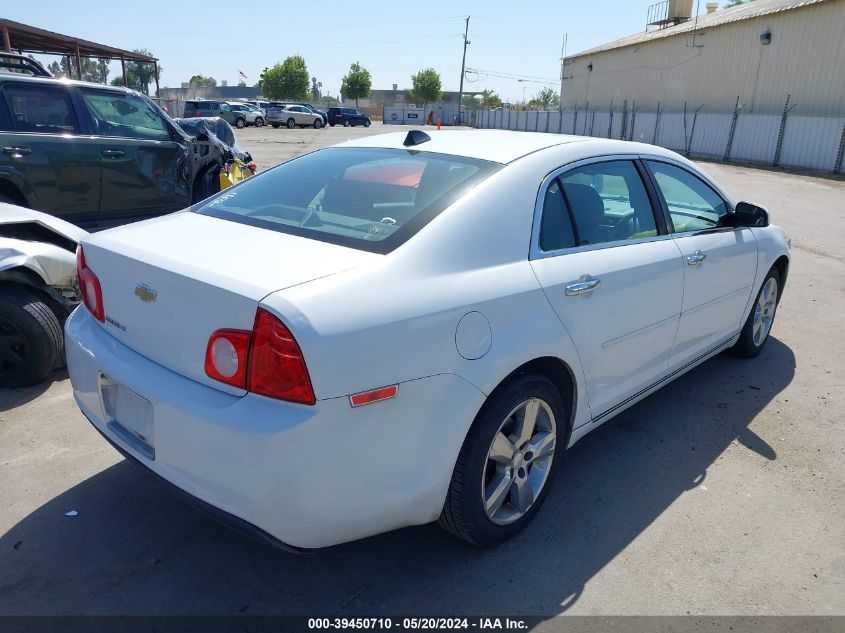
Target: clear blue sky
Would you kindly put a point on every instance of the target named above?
(390, 38)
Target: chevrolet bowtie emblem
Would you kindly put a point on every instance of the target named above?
(145, 293)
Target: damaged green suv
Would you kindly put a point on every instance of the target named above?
(96, 155)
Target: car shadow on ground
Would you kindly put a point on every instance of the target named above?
(135, 549)
(11, 398)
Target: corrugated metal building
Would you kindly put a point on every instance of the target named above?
(761, 52)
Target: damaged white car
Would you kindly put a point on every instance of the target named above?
(37, 292)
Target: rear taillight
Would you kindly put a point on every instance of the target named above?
(266, 361)
(226, 356)
(276, 365)
(89, 287)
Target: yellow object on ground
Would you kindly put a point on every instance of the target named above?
(235, 171)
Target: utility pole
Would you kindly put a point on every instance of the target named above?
(562, 67)
(463, 70)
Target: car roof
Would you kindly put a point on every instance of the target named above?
(506, 146)
(51, 81)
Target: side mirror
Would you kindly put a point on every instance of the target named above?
(751, 215)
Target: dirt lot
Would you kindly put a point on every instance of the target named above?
(724, 493)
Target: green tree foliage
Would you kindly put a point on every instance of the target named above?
(546, 98)
(95, 71)
(426, 87)
(735, 3)
(203, 82)
(288, 80)
(356, 83)
(139, 75)
(490, 99)
(316, 91)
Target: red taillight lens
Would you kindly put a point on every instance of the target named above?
(276, 365)
(266, 361)
(226, 356)
(89, 287)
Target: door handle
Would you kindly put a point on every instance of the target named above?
(696, 258)
(113, 153)
(17, 152)
(585, 283)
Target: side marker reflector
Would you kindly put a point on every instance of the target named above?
(368, 397)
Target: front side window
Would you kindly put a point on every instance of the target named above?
(692, 205)
(370, 199)
(40, 109)
(608, 202)
(124, 115)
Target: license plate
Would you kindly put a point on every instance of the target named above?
(128, 415)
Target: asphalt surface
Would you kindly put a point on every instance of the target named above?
(724, 493)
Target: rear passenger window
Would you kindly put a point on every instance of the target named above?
(555, 227)
(608, 202)
(40, 109)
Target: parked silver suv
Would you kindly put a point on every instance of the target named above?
(292, 115)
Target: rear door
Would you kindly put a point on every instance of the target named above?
(144, 170)
(611, 273)
(43, 153)
(719, 260)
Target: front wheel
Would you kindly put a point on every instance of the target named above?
(259, 122)
(318, 123)
(367, 123)
(346, 124)
(759, 323)
(291, 124)
(30, 338)
(240, 122)
(505, 465)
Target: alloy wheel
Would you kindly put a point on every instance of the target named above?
(519, 461)
(764, 311)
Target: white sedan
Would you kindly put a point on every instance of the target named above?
(403, 329)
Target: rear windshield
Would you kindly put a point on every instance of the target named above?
(369, 199)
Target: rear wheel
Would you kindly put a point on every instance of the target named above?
(505, 465)
(30, 338)
(240, 122)
(332, 124)
(276, 126)
(759, 323)
(291, 124)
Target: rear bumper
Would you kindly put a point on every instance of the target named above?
(305, 476)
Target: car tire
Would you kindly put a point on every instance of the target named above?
(318, 123)
(31, 341)
(240, 122)
(760, 320)
(346, 124)
(276, 126)
(331, 124)
(367, 123)
(291, 124)
(259, 122)
(467, 513)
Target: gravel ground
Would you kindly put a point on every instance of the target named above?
(724, 493)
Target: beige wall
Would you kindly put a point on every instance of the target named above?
(806, 59)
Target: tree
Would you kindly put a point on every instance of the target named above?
(142, 72)
(95, 71)
(735, 3)
(547, 98)
(356, 83)
(490, 99)
(288, 80)
(426, 87)
(315, 89)
(199, 81)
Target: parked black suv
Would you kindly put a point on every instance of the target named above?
(96, 155)
(347, 117)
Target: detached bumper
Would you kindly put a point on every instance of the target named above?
(305, 476)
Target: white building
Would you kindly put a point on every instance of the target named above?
(761, 52)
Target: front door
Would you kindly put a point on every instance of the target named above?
(43, 154)
(145, 172)
(612, 275)
(719, 261)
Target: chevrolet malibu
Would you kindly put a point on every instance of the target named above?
(403, 328)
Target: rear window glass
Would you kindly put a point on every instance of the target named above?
(370, 199)
(40, 109)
